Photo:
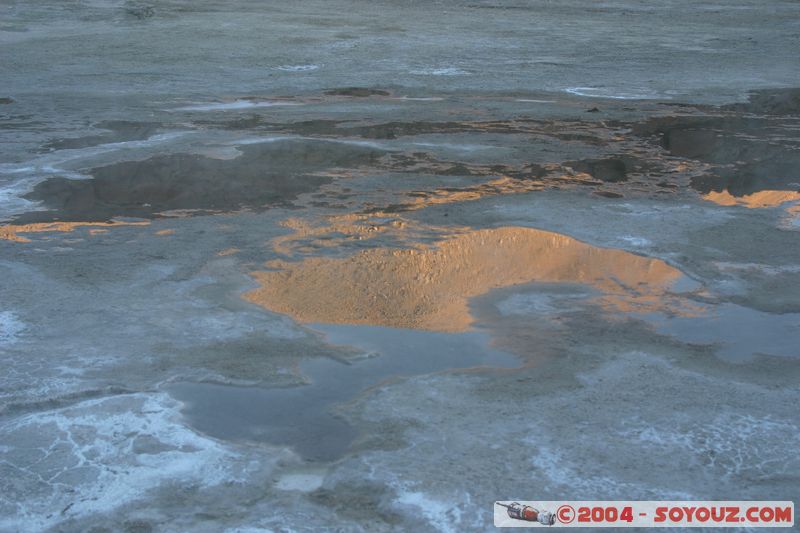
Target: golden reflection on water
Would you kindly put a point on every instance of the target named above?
(308, 237)
(493, 187)
(428, 287)
(760, 199)
(15, 233)
(228, 251)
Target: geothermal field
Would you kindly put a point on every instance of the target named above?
(350, 265)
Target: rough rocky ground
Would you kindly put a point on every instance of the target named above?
(372, 266)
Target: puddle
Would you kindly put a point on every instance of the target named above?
(302, 417)
(751, 160)
(739, 332)
(264, 174)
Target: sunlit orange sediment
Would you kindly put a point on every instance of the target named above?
(755, 200)
(428, 287)
(16, 233)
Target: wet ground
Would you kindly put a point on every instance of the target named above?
(384, 264)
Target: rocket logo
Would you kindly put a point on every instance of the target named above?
(527, 513)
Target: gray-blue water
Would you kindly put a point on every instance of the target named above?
(304, 417)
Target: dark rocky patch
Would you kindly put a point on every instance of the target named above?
(743, 180)
(771, 102)
(578, 137)
(563, 130)
(388, 130)
(608, 194)
(426, 163)
(393, 130)
(611, 169)
(457, 169)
